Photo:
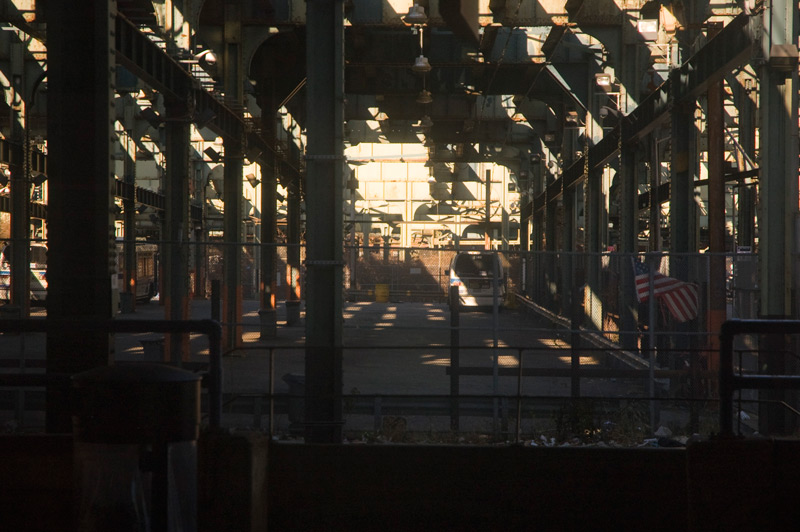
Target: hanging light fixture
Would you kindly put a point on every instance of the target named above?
(416, 15)
(421, 65)
(424, 96)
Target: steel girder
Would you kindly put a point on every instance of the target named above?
(38, 165)
(729, 49)
(147, 61)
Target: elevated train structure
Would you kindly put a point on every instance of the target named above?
(634, 163)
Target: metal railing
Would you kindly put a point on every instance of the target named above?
(730, 381)
(210, 328)
(506, 406)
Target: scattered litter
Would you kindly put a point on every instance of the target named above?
(663, 432)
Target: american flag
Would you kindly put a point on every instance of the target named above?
(679, 297)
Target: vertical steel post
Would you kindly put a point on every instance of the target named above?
(575, 347)
(652, 261)
(175, 285)
(778, 180)
(681, 207)
(628, 217)
(232, 177)
(778, 192)
(745, 223)
(519, 393)
(495, 328)
(568, 247)
(717, 300)
(216, 300)
(324, 266)
(232, 251)
(487, 236)
(129, 226)
(595, 220)
(726, 381)
(20, 183)
(454, 357)
(268, 251)
(655, 200)
(551, 257)
(293, 240)
(79, 276)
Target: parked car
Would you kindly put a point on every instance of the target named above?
(479, 277)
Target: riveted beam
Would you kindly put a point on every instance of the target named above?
(136, 52)
(731, 47)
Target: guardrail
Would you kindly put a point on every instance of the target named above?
(212, 329)
(271, 404)
(729, 381)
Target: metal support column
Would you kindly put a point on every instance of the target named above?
(487, 232)
(325, 103)
(550, 247)
(717, 300)
(628, 218)
(567, 247)
(746, 208)
(176, 228)
(293, 251)
(79, 276)
(20, 182)
(778, 210)
(593, 209)
(455, 347)
(233, 79)
(128, 301)
(20, 211)
(655, 200)
(232, 251)
(525, 219)
(682, 206)
(778, 180)
(269, 182)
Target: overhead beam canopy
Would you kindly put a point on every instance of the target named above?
(730, 48)
(150, 63)
(462, 17)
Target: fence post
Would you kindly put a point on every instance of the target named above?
(454, 358)
(519, 392)
(215, 300)
(377, 412)
(575, 341)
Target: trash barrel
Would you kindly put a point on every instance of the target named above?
(382, 293)
(135, 429)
